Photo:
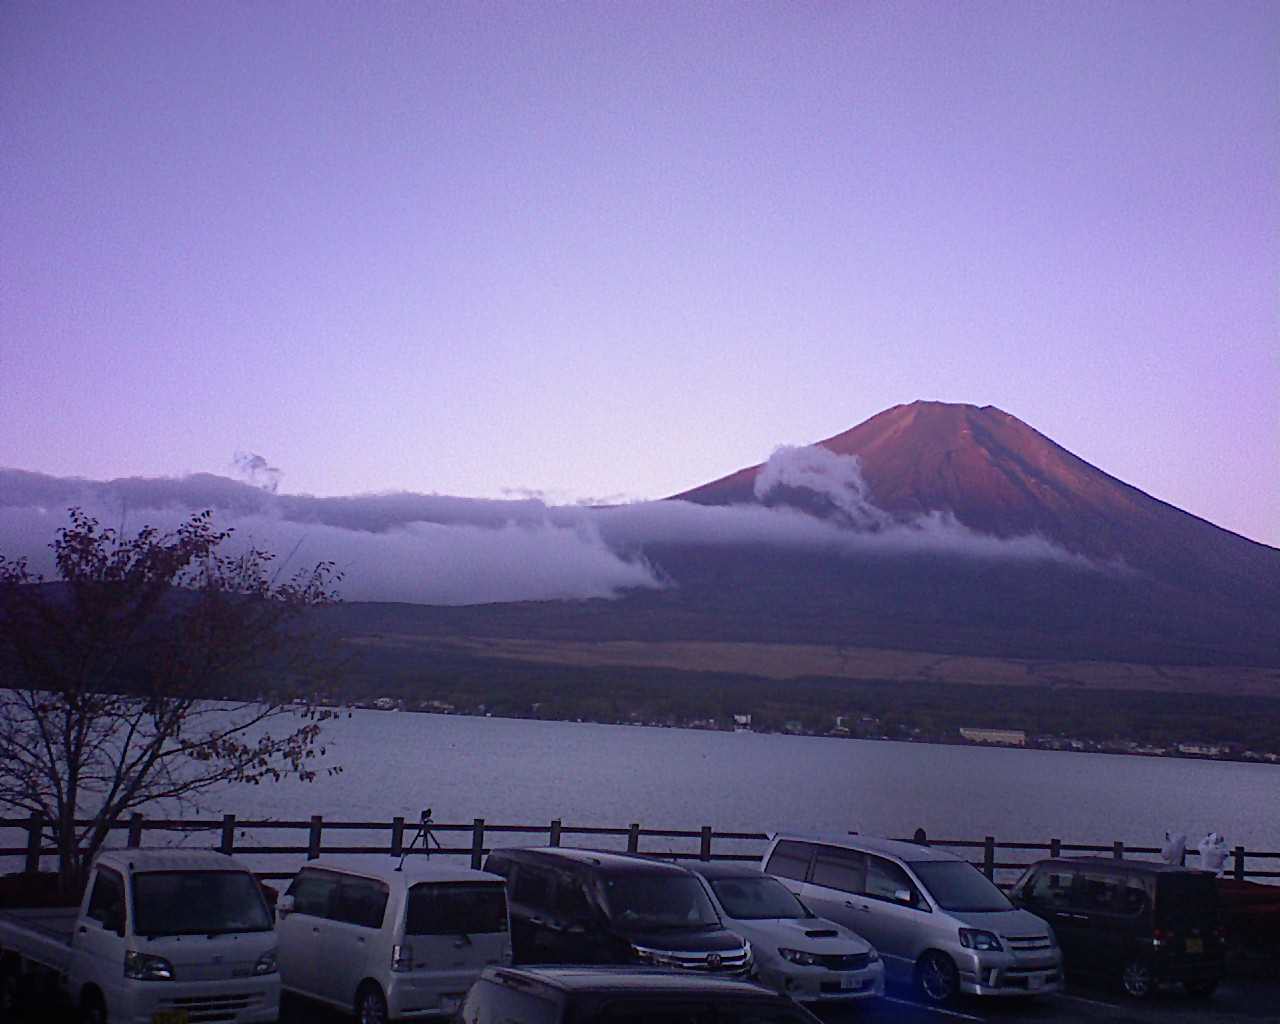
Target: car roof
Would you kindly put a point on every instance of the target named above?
(631, 979)
(416, 869)
(611, 860)
(910, 852)
(715, 869)
(159, 858)
(1144, 867)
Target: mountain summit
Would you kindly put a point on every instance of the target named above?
(999, 476)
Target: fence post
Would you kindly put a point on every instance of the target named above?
(228, 833)
(35, 830)
(397, 836)
(633, 838)
(1055, 848)
(135, 831)
(477, 842)
(989, 857)
(1238, 872)
(554, 839)
(313, 839)
(1117, 850)
(704, 849)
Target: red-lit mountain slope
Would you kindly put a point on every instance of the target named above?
(999, 476)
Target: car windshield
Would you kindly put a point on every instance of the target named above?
(659, 901)
(757, 898)
(198, 903)
(453, 908)
(958, 885)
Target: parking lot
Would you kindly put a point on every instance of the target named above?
(1235, 1000)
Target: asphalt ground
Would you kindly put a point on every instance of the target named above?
(1246, 1000)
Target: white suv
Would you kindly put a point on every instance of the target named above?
(935, 919)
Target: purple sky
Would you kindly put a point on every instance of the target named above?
(603, 249)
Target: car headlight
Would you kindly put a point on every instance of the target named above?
(976, 938)
(145, 967)
(266, 963)
(799, 956)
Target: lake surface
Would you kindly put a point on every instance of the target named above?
(529, 772)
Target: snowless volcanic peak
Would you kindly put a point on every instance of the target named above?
(999, 476)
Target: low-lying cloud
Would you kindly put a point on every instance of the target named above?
(440, 549)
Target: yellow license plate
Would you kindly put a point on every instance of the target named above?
(169, 1017)
(1195, 945)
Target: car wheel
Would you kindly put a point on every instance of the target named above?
(1137, 980)
(937, 978)
(1201, 989)
(92, 1009)
(371, 1005)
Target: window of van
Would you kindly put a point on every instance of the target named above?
(362, 901)
(106, 903)
(835, 868)
(456, 908)
(789, 860)
(1051, 887)
(533, 886)
(314, 893)
(885, 880)
(958, 885)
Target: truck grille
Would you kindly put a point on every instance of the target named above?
(202, 1009)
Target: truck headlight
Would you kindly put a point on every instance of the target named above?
(799, 956)
(976, 938)
(266, 963)
(145, 967)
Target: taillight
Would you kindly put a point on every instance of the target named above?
(402, 957)
(1160, 936)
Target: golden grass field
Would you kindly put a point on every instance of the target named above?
(788, 661)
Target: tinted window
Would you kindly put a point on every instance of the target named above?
(958, 885)
(456, 908)
(1189, 900)
(845, 870)
(1051, 887)
(1110, 893)
(789, 860)
(659, 901)
(532, 886)
(757, 899)
(314, 893)
(106, 903)
(886, 880)
(571, 902)
(362, 901)
(198, 903)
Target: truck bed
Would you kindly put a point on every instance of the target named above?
(41, 934)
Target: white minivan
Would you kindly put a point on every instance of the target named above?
(391, 942)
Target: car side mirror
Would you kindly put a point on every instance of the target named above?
(903, 896)
(284, 907)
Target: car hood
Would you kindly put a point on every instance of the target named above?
(680, 940)
(1003, 922)
(812, 935)
(209, 958)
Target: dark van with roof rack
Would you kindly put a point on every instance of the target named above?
(1139, 923)
(586, 907)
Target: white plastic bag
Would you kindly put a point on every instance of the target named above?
(1213, 853)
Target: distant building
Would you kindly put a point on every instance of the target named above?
(998, 737)
(1203, 749)
(742, 723)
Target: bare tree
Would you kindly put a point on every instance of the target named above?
(109, 676)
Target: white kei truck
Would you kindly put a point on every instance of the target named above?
(161, 936)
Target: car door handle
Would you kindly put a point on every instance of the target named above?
(857, 906)
(315, 931)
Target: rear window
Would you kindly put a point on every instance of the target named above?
(452, 908)
(1186, 900)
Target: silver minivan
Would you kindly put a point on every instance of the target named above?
(936, 920)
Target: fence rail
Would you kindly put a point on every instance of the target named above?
(402, 834)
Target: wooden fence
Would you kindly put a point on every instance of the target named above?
(319, 836)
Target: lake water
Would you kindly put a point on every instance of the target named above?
(529, 772)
